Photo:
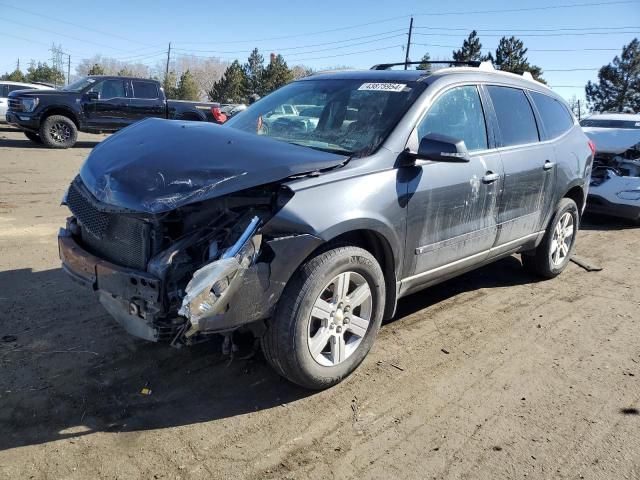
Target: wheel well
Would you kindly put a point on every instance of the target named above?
(577, 195)
(378, 246)
(61, 111)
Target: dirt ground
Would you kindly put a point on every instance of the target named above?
(492, 375)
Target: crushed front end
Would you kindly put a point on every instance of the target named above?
(615, 184)
(182, 275)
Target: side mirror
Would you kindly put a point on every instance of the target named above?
(92, 96)
(441, 148)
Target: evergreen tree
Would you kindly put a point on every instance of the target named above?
(276, 74)
(187, 87)
(41, 72)
(254, 73)
(15, 76)
(231, 88)
(96, 69)
(170, 85)
(511, 56)
(618, 87)
(424, 62)
(471, 49)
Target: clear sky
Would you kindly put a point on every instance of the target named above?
(327, 33)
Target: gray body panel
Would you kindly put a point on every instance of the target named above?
(434, 219)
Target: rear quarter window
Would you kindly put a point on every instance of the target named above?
(516, 121)
(555, 117)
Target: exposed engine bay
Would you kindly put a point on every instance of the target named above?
(172, 276)
(615, 176)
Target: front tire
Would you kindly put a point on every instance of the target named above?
(552, 256)
(34, 137)
(58, 131)
(327, 318)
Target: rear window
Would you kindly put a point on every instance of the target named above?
(555, 117)
(515, 116)
(601, 123)
(145, 89)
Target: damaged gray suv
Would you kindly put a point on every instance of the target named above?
(306, 228)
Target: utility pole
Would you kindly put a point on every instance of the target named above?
(406, 58)
(579, 110)
(18, 65)
(68, 68)
(166, 73)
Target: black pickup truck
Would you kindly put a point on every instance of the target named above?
(98, 104)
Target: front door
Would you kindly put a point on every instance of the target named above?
(109, 110)
(452, 206)
(528, 166)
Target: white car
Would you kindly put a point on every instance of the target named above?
(615, 178)
(6, 87)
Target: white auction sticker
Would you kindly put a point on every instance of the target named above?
(383, 87)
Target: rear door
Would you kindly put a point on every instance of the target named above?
(109, 110)
(452, 207)
(528, 166)
(146, 101)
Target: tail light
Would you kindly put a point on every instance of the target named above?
(592, 147)
(218, 116)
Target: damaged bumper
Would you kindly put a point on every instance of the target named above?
(232, 291)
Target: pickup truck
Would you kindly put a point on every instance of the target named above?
(97, 104)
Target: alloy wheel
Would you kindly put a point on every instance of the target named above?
(562, 239)
(60, 132)
(339, 319)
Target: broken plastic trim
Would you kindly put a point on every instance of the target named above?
(211, 287)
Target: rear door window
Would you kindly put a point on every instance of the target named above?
(4, 91)
(457, 113)
(516, 121)
(555, 117)
(145, 89)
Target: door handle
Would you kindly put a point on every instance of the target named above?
(490, 177)
(548, 165)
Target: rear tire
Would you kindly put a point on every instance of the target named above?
(327, 318)
(552, 256)
(58, 131)
(34, 137)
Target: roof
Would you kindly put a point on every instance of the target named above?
(635, 117)
(482, 74)
(119, 77)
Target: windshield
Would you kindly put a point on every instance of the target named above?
(80, 85)
(343, 116)
(602, 123)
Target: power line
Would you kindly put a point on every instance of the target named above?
(574, 34)
(526, 30)
(529, 49)
(335, 42)
(526, 9)
(49, 18)
(60, 34)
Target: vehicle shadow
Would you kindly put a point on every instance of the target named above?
(67, 370)
(592, 221)
(26, 143)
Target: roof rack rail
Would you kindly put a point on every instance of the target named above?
(387, 66)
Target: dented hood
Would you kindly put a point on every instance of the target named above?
(613, 140)
(157, 165)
